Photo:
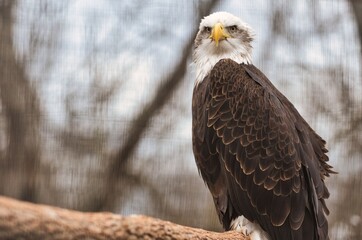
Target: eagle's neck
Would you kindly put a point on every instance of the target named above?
(205, 62)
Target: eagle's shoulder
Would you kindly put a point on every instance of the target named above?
(228, 72)
(228, 78)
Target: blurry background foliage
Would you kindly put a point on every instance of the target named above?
(95, 100)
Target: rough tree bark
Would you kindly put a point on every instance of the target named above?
(21, 220)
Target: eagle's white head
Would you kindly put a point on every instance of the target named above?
(221, 35)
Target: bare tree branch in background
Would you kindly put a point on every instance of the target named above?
(357, 10)
(22, 113)
(120, 160)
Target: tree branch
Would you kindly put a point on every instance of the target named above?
(357, 10)
(140, 123)
(22, 220)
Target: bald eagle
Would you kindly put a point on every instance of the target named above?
(263, 164)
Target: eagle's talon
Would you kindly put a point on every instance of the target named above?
(243, 225)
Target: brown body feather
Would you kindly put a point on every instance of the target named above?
(257, 155)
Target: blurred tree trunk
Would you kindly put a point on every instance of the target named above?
(18, 164)
(351, 196)
(357, 10)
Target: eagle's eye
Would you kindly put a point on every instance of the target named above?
(207, 29)
(233, 28)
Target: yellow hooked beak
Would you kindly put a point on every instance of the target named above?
(218, 33)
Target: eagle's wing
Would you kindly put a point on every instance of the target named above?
(207, 159)
(257, 155)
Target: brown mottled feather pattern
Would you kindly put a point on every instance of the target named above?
(257, 155)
